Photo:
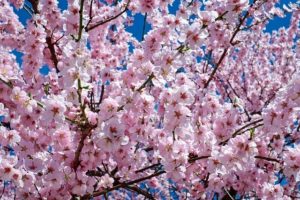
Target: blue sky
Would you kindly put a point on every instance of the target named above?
(138, 19)
(136, 29)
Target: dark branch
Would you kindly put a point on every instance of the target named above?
(122, 185)
(40, 196)
(80, 21)
(102, 94)
(240, 130)
(7, 83)
(34, 4)
(148, 167)
(144, 26)
(268, 159)
(140, 191)
(127, 185)
(76, 161)
(52, 52)
(90, 14)
(97, 173)
(254, 127)
(216, 68)
(3, 190)
(195, 158)
(108, 20)
(238, 28)
(146, 82)
(229, 194)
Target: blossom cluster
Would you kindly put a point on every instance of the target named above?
(204, 105)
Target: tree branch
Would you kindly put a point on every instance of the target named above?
(40, 196)
(144, 26)
(148, 167)
(34, 4)
(195, 158)
(127, 185)
(90, 14)
(266, 158)
(216, 68)
(28, 9)
(237, 132)
(7, 83)
(10, 85)
(238, 28)
(146, 82)
(76, 161)
(97, 173)
(254, 127)
(87, 29)
(102, 94)
(140, 191)
(121, 185)
(80, 21)
(52, 52)
(229, 194)
(3, 190)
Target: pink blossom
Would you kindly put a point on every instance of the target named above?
(108, 108)
(54, 109)
(106, 181)
(205, 103)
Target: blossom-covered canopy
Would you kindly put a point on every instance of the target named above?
(204, 105)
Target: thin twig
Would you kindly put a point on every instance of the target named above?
(236, 94)
(136, 189)
(40, 196)
(3, 190)
(122, 185)
(28, 9)
(190, 3)
(234, 91)
(10, 85)
(144, 26)
(58, 39)
(140, 191)
(80, 21)
(238, 28)
(254, 127)
(7, 83)
(237, 132)
(109, 19)
(90, 14)
(216, 68)
(146, 82)
(229, 195)
(102, 94)
(193, 159)
(266, 158)
(220, 17)
(148, 167)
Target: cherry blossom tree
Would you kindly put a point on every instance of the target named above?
(204, 105)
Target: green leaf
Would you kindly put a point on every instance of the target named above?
(46, 88)
(252, 133)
